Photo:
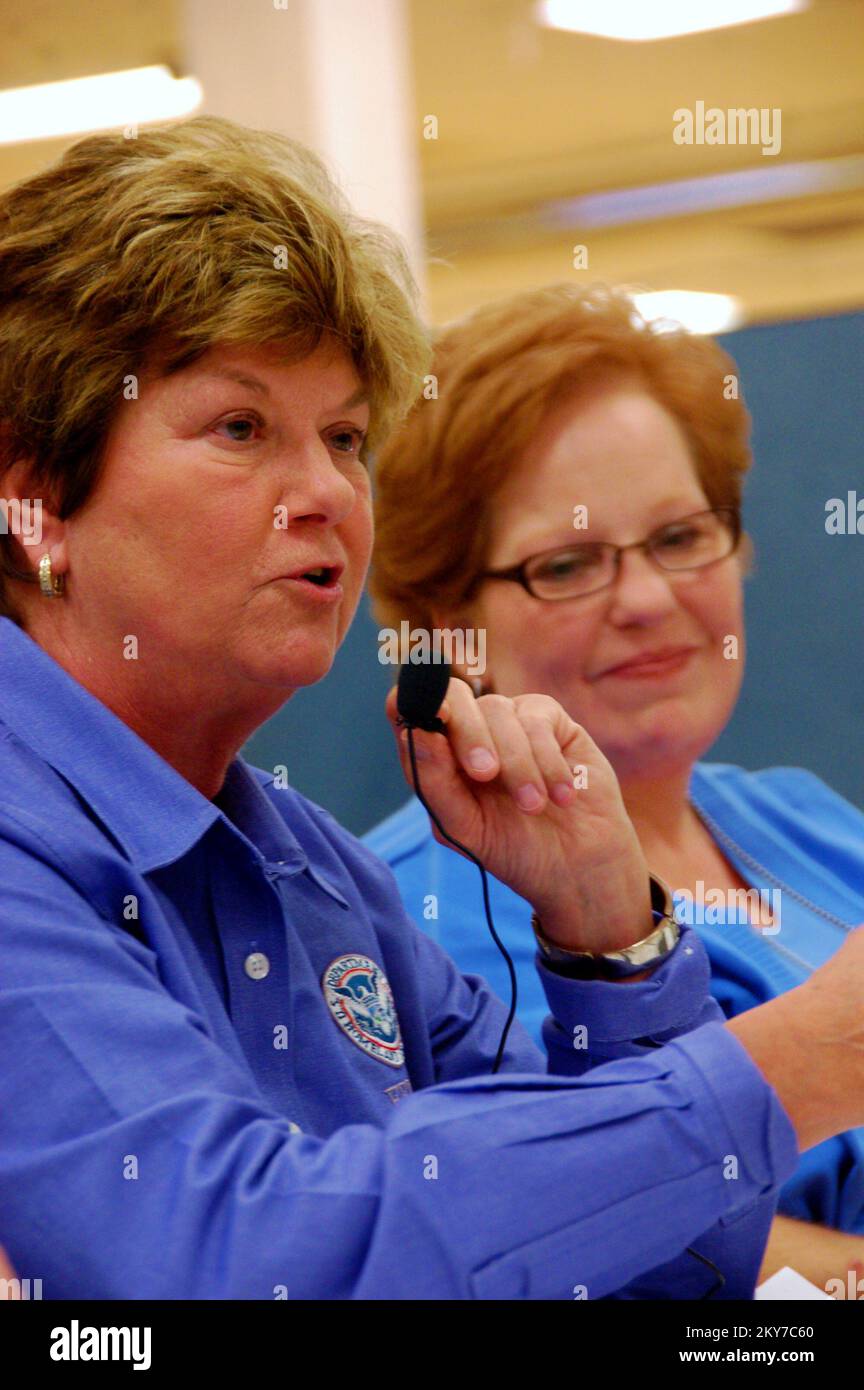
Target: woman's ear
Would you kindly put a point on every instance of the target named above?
(28, 518)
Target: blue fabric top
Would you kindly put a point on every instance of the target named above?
(783, 829)
(206, 1089)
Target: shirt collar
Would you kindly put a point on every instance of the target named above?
(155, 814)
(244, 802)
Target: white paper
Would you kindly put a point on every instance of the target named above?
(787, 1284)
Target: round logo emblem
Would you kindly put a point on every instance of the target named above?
(361, 1001)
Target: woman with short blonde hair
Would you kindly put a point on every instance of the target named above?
(166, 243)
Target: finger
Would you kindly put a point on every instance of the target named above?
(520, 774)
(468, 733)
(443, 787)
(440, 778)
(427, 745)
(391, 707)
(535, 717)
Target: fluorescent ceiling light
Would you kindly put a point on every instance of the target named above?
(661, 19)
(616, 207)
(699, 312)
(109, 99)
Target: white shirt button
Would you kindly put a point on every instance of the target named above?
(256, 965)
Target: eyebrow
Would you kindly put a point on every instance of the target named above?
(360, 396)
(253, 382)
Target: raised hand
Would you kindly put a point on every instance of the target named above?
(501, 781)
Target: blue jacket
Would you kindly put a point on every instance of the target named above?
(233, 1068)
(788, 835)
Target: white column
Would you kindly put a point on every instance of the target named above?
(335, 74)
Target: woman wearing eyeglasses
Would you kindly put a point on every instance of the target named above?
(574, 492)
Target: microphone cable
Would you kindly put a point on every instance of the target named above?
(486, 903)
(720, 1278)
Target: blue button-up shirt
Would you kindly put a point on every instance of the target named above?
(233, 1068)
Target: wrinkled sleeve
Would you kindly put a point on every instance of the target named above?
(138, 1161)
(595, 1021)
(591, 1021)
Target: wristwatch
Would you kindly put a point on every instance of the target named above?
(630, 960)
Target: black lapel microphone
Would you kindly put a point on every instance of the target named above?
(419, 696)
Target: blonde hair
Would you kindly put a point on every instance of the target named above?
(200, 233)
(497, 373)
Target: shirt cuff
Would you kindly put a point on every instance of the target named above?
(595, 1021)
(666, 1003)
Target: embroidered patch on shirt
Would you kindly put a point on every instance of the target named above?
(360, 999)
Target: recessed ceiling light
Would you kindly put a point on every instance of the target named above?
(692, 309)
(660, 19)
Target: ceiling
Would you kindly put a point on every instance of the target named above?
(529, 117)
(529, 121)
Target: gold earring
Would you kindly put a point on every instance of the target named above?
(51, 585)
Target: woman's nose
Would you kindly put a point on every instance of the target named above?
(315, 485)
(641, 589)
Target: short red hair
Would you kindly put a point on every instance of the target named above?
(497, 373)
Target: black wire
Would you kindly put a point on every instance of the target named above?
(721, 1278)
(486, 904)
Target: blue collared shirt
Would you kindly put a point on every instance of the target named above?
(233, 1067)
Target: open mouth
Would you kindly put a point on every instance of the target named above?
(322, 579)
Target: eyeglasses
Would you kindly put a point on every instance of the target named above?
(573, 571)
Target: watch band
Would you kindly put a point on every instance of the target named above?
(630, 960)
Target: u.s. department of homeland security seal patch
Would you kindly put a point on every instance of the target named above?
(361, 1001)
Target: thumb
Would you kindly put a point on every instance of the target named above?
(443, 785)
